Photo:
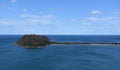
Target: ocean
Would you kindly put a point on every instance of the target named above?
(61, 57)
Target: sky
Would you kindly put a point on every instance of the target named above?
(60, 17)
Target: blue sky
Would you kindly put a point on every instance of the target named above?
(76, 17)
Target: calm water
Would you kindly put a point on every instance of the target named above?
(60, 57)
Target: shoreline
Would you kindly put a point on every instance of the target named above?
(36, 41)
(86, 43)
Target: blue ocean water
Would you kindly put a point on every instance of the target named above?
(61, 57)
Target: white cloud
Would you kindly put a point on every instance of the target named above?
(47, 19)
(98, 20)
(13, 1)
(96, 12)
(110, 19)
(28, 19)
(27, 15)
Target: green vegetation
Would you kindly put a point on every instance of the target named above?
(31, 41)
(35, 41)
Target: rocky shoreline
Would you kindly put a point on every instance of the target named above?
(40, 41)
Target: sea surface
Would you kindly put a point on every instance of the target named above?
(61, 57)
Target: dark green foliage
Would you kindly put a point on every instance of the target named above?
(33, 41)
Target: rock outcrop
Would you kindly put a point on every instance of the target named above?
(33, 41)
(38, 41)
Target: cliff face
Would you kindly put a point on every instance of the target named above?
(31, 41)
